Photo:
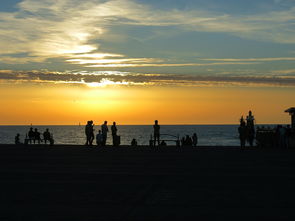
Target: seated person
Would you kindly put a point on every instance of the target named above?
(51, 140)
(17, 140)
(47, 136)
(133, 143)
(37, 136)
(163, 143)
(99, 138)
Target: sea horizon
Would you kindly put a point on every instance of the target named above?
(208, 135)
(227, 124)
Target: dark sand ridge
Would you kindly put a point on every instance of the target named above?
(80, 183)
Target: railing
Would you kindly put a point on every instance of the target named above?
(176, 139)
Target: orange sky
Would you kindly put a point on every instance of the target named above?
(69, 105)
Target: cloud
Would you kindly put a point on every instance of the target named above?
(65, 28)
(249, 59)
(101, 60)
(132, 64)
(138, 79)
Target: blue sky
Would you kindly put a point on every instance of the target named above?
(194, 37)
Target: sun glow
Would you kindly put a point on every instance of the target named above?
(104, 83)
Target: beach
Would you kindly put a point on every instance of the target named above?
(66, 182)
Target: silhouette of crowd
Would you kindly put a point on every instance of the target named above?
(279, 136)
(101, 136)
(34, 137)
(274, 137)
(247, 130)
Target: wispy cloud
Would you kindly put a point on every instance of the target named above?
(95, 60)
(138, 79)
(65, 28)
(249, 59)
(134, 64)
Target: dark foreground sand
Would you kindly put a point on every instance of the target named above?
(78, 183)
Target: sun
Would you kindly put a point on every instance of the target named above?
(105, 82)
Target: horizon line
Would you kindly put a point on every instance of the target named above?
(227, 124)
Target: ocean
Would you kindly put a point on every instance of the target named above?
(208, 135)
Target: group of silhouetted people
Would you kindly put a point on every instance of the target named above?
(185, 141)
(188, 141)
(101, 136)
(34, 136)
(282, 136)
(278, 136)
(247, 130)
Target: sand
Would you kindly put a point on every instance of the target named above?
(207, 183)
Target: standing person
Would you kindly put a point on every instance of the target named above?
(288, 135)
(31, 135)
(104, 130)
(282, 137)
(114, 133)
(91, 133)
(87, 132)
(156, 133)
(195, 139)
(250, 128)
(242, 133)
(188, 141)
(17, 139)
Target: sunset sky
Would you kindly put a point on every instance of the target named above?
(134, 61)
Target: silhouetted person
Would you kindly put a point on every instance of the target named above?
(188, 141)
(51, 141)
(37, 136)
(195, 140)
(17, 139)
(114, 134)
(282, 137)
(156, 133)
(250, 128)
(288, 135)
(182, 141)
(133, 143)
(31, 135)
(46, 136)
(242, 133)
(104, 130)
(99, 138)
(163, 144)
(242, 121)
(89, 132)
